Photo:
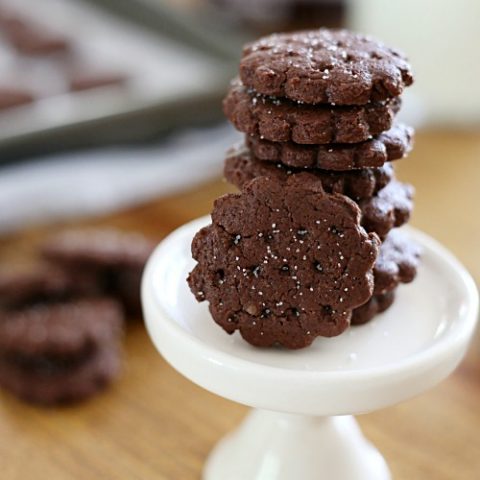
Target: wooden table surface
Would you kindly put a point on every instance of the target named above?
(153, 424)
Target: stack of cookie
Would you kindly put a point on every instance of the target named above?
(313, 230)
(61, 319)
(57, 344)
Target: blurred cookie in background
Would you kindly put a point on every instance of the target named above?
(62, 317)
(40, 283)
(60, 352)
(267, 16)
(14, 97)
(115, 259)
(29, 38)
(86, 81)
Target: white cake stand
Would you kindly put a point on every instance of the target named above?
(301, 426)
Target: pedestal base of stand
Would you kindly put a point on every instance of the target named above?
(275, 446)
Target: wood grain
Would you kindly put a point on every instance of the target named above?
(153, 424)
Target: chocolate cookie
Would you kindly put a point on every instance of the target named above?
(390, 207)
(284, 262)
(98, 248)
(82, 82)
(377, 304)
(127, 287)
(62, 386)
(14, 97)
(60, 329)
(281, 120)
(325, 66)
(31, 39)
(241, 167)
(397, 262)
(114, 258)
(40, 282)
(58, 352)
(391, 145)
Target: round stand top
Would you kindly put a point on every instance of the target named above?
(401, 353)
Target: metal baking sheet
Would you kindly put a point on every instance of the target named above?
(169, 84)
